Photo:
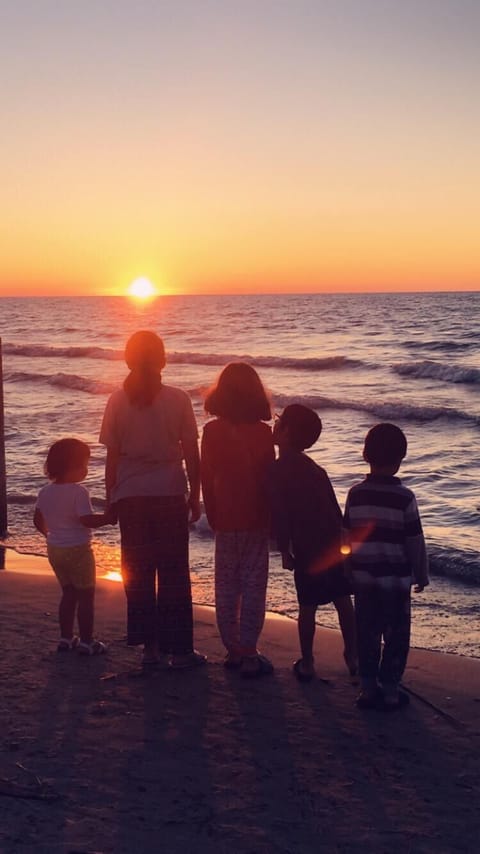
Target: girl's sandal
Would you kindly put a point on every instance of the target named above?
(67, 644)
(96, 647)
(253, 666)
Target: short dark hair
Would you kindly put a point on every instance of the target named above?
(239, 395)
(64, 455)
(385, 444)
(303, 424)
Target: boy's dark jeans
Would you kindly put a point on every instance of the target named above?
(382, 614)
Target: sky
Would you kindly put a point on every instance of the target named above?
(239, 145)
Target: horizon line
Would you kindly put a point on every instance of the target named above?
(243, 293)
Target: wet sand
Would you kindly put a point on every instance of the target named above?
(97, 758)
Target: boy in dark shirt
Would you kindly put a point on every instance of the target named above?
(387, 555)
(307, 524)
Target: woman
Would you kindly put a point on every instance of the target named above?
(148, 429)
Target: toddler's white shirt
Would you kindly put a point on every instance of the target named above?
(61, 505)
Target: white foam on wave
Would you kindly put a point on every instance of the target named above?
(45, 351)
(453, 563)
(328, 363)
(427, 369)
(184, 357)
(68, 381)
(387, 410)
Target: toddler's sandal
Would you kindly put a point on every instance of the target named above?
(96, 647)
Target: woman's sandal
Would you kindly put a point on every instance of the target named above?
(253, 666)
(191, 659)
(96, 647)
(300, 674)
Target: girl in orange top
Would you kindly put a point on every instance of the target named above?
(237, 451)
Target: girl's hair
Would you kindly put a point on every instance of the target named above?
(64, 455)
(145, 356)
(238, 395)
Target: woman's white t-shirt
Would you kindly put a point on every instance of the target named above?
(149, 441)
(61, 505)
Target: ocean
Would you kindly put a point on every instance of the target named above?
(357, 359)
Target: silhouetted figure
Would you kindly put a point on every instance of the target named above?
(237, 450)
(387, 554)
(64, 515)
(149, 429)
(307, 523)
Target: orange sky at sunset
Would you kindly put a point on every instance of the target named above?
(240, 147)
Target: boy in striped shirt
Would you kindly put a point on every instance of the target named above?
(388, 555)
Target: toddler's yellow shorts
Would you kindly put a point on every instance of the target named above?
(73, 565)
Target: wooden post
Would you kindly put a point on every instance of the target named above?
(3, 469)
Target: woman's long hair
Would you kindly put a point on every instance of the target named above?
(145, 356)
(239, 396)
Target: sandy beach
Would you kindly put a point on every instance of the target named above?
(97, 758)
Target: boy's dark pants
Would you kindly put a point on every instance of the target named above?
(382, 614)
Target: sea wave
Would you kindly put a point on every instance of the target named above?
(427, 369)
(45, 351)
(442, 346)
(387, 410)
(69, 381)
(20, 499)
(183, 357)
(328, 363)
(453, 563)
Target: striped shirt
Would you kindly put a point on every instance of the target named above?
(385, 534)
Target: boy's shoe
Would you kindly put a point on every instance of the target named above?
(96, 647)
(66, 644)
(303, 673)
(232, 662)
(393, 702)
(352, 664)
(369, 700)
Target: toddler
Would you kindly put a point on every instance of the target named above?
(63, 514)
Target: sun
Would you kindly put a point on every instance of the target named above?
(142, 288)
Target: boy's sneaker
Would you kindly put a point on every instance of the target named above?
(66, 644)
(96, 647)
